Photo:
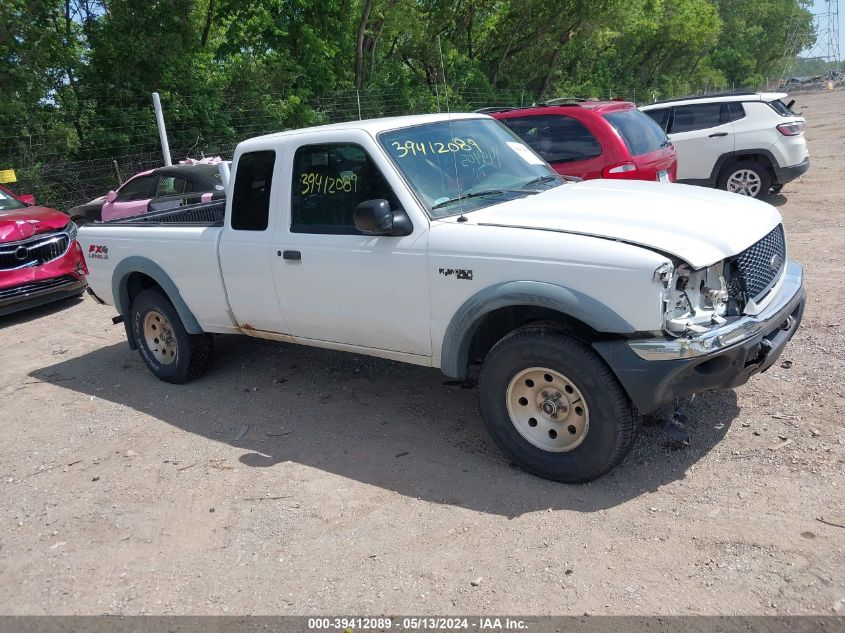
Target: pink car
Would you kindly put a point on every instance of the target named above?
(159, 189)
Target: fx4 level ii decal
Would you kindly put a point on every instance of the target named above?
(98, 251)
(459, 273)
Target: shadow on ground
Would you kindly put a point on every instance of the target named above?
(776, 199)
(386, 424)
(31, 314)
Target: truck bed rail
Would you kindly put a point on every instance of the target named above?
(202, 214)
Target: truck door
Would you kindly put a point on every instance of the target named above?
(335, 284)
(246, 243)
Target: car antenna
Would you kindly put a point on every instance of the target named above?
(461, 216)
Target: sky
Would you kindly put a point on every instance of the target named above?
(820, 7)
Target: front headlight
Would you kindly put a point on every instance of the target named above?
(695, 300)
(72, 230)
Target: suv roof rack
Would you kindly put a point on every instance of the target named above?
(562, 101)
(712, 95)
(493, 109)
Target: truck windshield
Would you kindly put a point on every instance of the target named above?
(466, 164)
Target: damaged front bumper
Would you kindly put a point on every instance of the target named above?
(656, 371)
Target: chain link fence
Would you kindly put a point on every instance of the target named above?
(62, 183)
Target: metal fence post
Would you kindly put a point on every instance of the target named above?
(165, 146)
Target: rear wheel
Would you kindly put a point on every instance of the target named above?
(554, 407)
(748, 178)
(165, 346)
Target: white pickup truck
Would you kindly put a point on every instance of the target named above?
(444, 241)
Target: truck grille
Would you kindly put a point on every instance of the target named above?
(33, 251)
(761, 264)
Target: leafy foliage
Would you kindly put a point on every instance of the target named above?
(76, 75)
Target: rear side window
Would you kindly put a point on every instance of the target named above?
(699, 116)
(172, 185)
(640, 133)
(736, 110)
(137, 189)
(557, 138)
(660, 116)
(251, 193)
(780, 107)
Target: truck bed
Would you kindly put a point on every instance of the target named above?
(201, 214)
(176, 244)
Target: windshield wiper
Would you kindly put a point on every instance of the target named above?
(477, 194)
(541, 180)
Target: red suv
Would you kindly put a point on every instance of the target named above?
(40, 259)
(595, 139)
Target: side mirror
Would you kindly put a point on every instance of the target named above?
(111, 196)
(374, 217)
(27, 198)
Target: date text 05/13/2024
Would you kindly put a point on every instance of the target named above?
(421, 623)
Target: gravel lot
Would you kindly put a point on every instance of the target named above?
(295, 481)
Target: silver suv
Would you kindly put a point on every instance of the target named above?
(748, 143)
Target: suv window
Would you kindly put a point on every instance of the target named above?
(737, 111)
(640, 133)
(699, 116)
(251, 193)
(329, 181)
(555, 137)
(173, 185)
(660, 116)
(780, 107)
(137, 189)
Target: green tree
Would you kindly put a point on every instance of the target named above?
(758, 35)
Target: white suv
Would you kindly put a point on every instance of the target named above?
(748, 143)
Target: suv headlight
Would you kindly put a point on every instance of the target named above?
(72, 230)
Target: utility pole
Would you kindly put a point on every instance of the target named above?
(165, 146)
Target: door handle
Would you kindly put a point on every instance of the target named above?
(292, 255)
(718, 134)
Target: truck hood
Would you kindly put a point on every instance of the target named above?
(698, 225)
(19, 224)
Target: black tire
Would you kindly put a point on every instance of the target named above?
(759, 169)
(190, 355)
(612, 425)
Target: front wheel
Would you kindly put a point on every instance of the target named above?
(554, 407)
(748, 178)
(165, 346)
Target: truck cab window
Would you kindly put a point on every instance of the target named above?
(251, 193)
(329, 181)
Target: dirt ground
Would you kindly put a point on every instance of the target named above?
(300, 481)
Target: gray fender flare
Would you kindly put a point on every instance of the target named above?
(137, 264)
(454, 355)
